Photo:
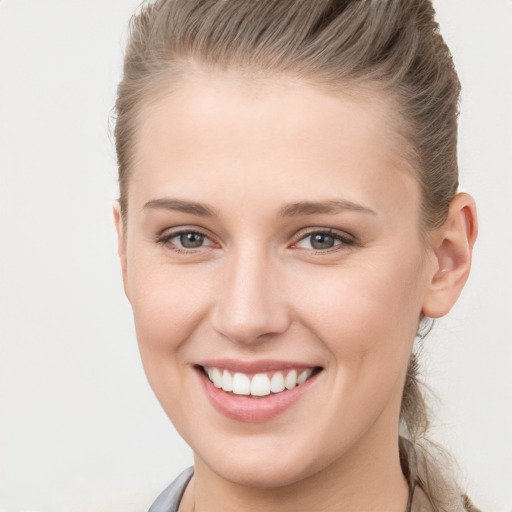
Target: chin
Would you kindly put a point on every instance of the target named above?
(260, 474)
(262, 465)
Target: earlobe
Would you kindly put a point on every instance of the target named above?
(121, 244)
(452, 248)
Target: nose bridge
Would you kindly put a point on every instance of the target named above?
(250, 303)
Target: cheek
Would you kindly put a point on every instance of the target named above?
(365, 309)
(367, 318)
(168, 303)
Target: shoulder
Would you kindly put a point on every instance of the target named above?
(169, 499)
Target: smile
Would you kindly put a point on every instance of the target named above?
(260, 384)
(256, 391)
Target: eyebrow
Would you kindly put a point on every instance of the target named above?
(297, 209)
(315, 207)
(179, 205)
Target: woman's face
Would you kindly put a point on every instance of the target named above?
(272, 229)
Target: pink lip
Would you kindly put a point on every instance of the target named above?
(252, 367)
(250, 409)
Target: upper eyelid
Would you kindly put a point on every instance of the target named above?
(169, 233)
(346, 241)
(303, 233)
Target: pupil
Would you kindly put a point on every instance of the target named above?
(191, 240)
(321, 241)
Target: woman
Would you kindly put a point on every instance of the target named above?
(288, 223)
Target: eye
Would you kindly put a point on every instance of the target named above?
(190, 240)
(185, 239)
(323, 240)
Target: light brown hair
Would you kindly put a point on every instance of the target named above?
(392, 45)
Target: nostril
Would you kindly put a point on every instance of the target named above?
(257, 328)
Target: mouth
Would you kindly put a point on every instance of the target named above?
(255, 392)
(259, 384)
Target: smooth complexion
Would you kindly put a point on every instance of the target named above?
(272, 224)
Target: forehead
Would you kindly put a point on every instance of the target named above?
(232, 134)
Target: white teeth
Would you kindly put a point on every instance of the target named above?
(304, 376)
(241, 384)
(291, 379)
(260, 385)
(277, 383)
(216, 378)
(227, 381)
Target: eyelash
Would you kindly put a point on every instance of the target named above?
(342, 239)
(164, 240)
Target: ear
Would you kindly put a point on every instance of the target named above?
(121, 244)
(452, 246)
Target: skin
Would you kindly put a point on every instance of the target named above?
(257, 289)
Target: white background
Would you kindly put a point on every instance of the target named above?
(80, 428)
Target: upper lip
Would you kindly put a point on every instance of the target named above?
(250, 367)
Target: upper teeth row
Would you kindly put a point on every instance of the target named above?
(260, 384)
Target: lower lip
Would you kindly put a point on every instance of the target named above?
(250, 409)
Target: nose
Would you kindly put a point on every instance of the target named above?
(250, 306)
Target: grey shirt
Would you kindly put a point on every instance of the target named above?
(169, 499)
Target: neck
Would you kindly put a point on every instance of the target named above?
(364, 479)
